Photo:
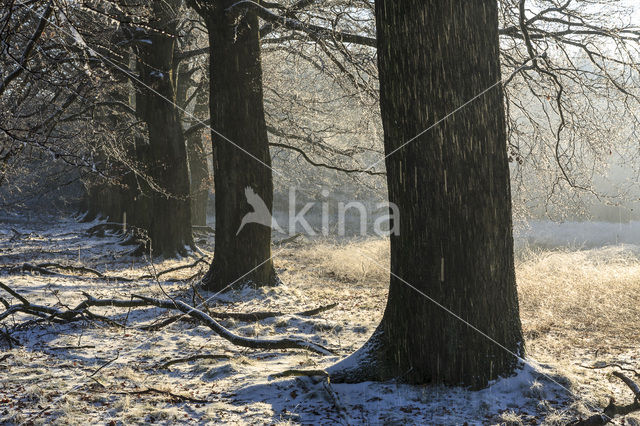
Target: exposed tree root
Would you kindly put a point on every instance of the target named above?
(613, 409)
(82, 311)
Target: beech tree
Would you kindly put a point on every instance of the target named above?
(452, 271)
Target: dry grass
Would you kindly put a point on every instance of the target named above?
(587, 298)
(578, 307)
(356, 262)
(583, 298)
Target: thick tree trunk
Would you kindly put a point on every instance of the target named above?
(159, 215)
(237, 112)
(198, 166)
(452, 189)
(166, 213)
(105, 199)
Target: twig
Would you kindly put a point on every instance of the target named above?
(105, 364)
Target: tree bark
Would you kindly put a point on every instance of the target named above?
(452, 188)
(165, 213)
(237, 112)
(198, 166)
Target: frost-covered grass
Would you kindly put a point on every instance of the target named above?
(579, 307)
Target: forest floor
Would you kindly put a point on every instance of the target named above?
(580, 308)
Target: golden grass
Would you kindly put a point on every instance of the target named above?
(356, 262)
(578, 307)
(585, 298)
(571, 301)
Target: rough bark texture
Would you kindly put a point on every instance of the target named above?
(104, 199)
(160, 213)
(452, 189)
(166, 214)
(237, 112)
(198, 167)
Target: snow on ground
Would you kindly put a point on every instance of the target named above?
(579, 308)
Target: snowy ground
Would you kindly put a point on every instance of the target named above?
(580, 299)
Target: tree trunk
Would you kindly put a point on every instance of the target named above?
(237, 112)
(166, 213)
(198, 166)
(452, 188)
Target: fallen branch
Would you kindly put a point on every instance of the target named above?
(10, 339)
(299, 373)
(82, 310)
(192, 358)
(241, 316)
(613, 409)
(164, 392)
(82, 269)
(333, 397)
(65, 348)
(176, 268)
(13, 293)
(44, 269)
(607, 365)
(204, 319)
(287, 240)
(631, 384)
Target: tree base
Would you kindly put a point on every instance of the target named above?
(364, 365)
(210, 283)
